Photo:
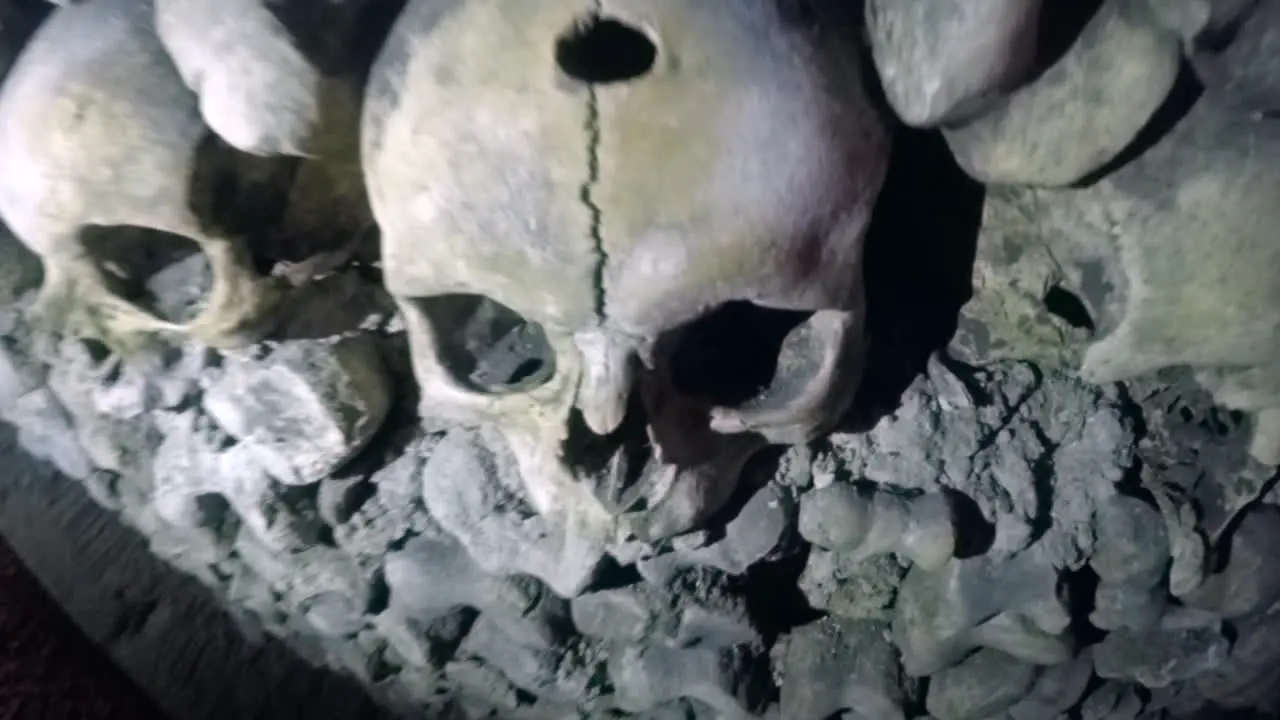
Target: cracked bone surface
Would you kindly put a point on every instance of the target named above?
(97, 131)
(730, 155)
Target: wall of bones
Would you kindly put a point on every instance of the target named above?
(679, 359)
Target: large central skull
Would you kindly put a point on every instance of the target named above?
(589, 182)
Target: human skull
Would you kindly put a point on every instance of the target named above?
(98, 133)
(596, 183)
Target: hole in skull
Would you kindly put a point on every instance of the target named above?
(487, 346)
(1068, 306)
(1185, 93)
(730, 355)
(161, 273)
(602, 50)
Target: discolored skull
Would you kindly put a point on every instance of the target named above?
(101, 140)
(580, 202)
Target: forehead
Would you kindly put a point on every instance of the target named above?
(478, 157)
(568, 200)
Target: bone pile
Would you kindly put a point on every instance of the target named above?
(789, 359)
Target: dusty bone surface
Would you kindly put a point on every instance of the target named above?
(683, 380)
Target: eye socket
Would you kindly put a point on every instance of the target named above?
(164, 274)
(487, 346)
(730, 355)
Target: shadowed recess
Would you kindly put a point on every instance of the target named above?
(601, 50)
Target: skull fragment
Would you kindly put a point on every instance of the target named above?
(597, 186)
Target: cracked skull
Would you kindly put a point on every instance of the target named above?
(627, 234)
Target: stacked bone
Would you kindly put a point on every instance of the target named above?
(513, 460)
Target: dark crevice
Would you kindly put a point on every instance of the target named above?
(613, 576)
(235, 193)
(774, 599)
(1068, 306)
(379, 593)
(1044, 475)
(974, 534)
(1220, 552)
(1081, 588)
(317, 31)
(1226, 19)
(1059, 27)
(918, 267)
(98, 352)
(1015, 409)
(372, 26)
(757, 472)
(588, 185)
(1230, 631)
(915, 701)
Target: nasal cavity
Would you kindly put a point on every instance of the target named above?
(602, 50)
